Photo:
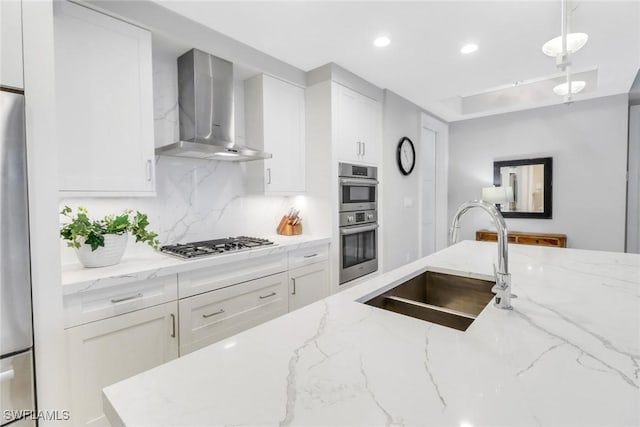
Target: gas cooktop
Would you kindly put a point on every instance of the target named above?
(215, 247)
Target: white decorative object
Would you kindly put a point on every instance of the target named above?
(575, 42)
(497, 194)
(109, 254)
(563, 88)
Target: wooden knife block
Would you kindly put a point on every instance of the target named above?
(285, 227)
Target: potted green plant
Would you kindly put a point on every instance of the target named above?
(102, 242)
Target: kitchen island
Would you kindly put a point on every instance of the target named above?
(567, 354)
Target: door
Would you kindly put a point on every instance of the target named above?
(284, 136)
(104, 352)
(15, 275)
(358, 251)
(16, 386)
(104, 97)
(308, 284)
(427, 215)
(370, 129)
(11, 44)
(348, 145)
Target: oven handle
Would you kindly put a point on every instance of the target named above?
(353, 230)
(359, 181)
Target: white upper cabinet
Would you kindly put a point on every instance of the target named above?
(104, 104)
(358, 133)
(274, 118)
(11, 44)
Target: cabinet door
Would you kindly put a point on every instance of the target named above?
(348, 145)
(104, 103)
(308, 284)
(284, 136)
(370, 129)
(107, 351)
(11, 44)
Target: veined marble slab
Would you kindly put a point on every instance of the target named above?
(567, 355)
(76, 278)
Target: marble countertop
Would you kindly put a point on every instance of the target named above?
(568, 354)
(149, 263)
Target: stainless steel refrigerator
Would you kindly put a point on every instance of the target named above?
(16, 326)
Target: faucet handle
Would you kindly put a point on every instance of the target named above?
(495, 271)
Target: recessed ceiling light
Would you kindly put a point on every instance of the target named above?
(469, 48)
(563, 88)
(381, 41)
(575, 41)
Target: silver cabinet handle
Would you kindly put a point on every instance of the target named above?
(310, 256)
(268, 175)
(149, 170)
(364, 148)
(345, 231)
(173, 325)
(268, 296)
(206, 316)
(117, 300)
(293, 280)
(359, 148)
(7, 375)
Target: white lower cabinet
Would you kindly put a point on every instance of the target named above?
(106, 351)
(117, 332)
(215, 315)
(308, 284)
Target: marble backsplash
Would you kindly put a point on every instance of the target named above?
(196, 200)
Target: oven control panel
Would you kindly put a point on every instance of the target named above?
(357, 217)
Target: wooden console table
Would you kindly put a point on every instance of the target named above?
(541, 239)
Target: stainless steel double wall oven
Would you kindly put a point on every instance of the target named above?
(358, 195)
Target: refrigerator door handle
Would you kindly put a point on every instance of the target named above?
(7, 375)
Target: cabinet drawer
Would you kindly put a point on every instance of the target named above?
(537, 240)
(211, 278)
(311, 255)
(89, 306)
(210, 317)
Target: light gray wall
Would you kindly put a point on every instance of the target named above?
(400, 224)
(633, 189)
(588, 143)
(634, 92)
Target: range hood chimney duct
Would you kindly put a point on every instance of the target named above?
(205, 100)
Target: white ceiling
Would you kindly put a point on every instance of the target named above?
(423, 62)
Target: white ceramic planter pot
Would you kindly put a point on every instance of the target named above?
(109, 254)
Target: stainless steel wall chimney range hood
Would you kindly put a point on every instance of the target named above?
(205, 100)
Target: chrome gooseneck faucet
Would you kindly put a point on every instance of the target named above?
(502, 288)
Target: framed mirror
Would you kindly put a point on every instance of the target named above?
(528, 184)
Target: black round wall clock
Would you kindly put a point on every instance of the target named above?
(406, 155)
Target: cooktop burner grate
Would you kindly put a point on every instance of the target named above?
(214, 247)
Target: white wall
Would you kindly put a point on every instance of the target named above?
(400, 194)
(588, 143)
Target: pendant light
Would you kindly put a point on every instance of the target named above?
(560, 48)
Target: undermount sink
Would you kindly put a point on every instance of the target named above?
(445, 299)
